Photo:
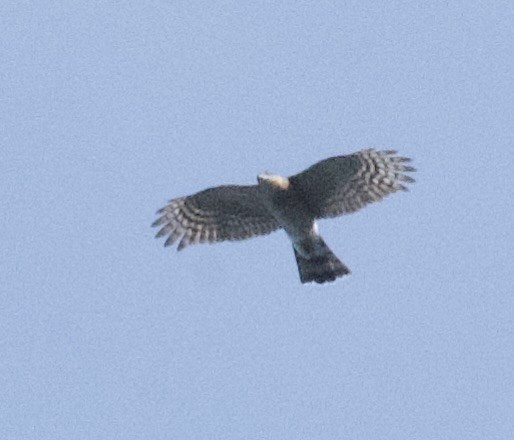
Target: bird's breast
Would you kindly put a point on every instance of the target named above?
(292, 214)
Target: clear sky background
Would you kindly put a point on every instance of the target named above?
(108, 109)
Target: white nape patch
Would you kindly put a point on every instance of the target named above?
(274, 180)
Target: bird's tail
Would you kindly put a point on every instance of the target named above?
(316, 262)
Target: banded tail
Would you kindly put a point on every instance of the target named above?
(318, 263)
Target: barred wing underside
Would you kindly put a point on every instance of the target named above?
(344, 184)
(230, 212)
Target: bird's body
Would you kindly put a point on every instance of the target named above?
(315, 260)
(286, 205)
(332, 187)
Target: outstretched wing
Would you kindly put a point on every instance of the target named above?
(344, 184)
(230, 212)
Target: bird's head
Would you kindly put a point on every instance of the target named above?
(273, 180)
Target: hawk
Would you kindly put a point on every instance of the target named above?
(332, 187)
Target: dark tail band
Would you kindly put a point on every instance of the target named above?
(322, 267)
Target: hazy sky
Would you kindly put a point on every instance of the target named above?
(108, 109)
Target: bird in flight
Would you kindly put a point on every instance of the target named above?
(332, 187)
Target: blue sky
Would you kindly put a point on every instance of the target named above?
(108, 109)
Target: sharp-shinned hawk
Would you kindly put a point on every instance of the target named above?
(332, 187)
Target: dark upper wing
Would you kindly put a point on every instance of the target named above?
(344, 184)
(230, 212)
